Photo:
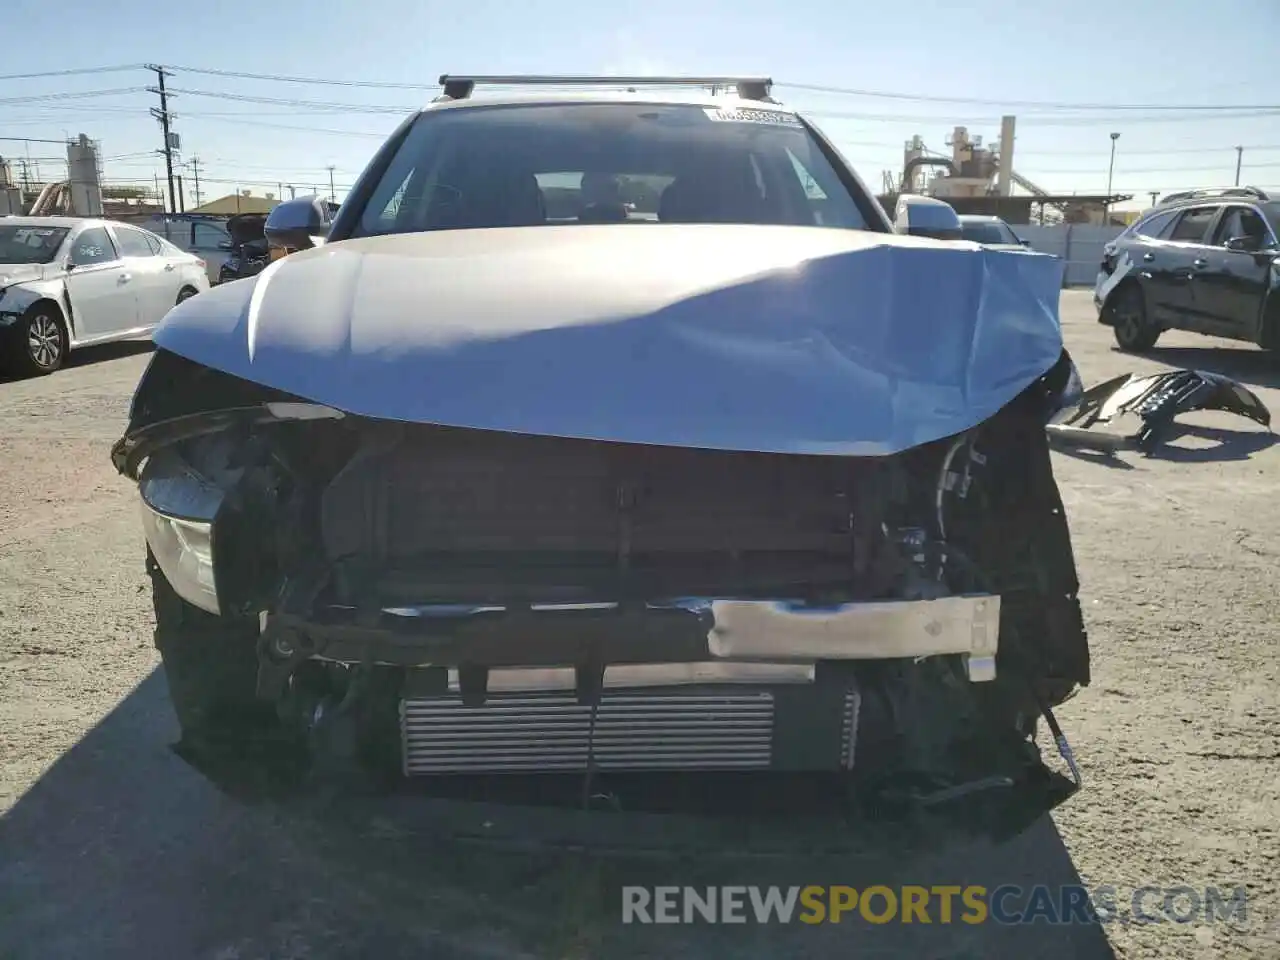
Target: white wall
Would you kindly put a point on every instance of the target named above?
(1080, 244)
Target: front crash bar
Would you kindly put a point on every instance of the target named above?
(685, 630)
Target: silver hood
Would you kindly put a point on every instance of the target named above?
(775, 339)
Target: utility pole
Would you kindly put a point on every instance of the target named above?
(195, 173)
(1106, 206)
(182, 199)
(333, 198)
(162, 114)
(1239, 158)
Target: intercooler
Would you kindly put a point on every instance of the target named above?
(656, 729)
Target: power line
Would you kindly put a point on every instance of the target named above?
(78, 71)
(285, 126)
(814, 88)
(1033, 120)
(1133, 170)
(1033, 104)
(286, 102)
(241, 181)
(41, 97)
(1142, 153)
(330, 81)
(29, 140)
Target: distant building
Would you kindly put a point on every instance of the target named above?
(234, 203)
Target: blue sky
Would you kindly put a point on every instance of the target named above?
(1083, 52)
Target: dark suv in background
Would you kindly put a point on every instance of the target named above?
(1207, 261)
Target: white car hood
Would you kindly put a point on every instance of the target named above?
(774, 339)
(15, 273)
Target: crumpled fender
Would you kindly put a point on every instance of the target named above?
(1157, 399)
(17, 298)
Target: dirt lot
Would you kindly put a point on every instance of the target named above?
(111, 846)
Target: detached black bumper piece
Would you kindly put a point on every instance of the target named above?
(1157, 399)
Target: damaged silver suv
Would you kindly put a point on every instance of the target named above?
(615, 430)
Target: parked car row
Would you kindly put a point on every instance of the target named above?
(67, 283)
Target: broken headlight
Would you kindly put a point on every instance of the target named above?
(1064, 401)
(178, 509)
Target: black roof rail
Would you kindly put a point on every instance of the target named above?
(458, 87)
(1215, 193)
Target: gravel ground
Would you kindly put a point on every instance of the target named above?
(111, 846)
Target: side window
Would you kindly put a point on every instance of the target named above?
(153, 244)
(1240, 222)
(133, 243)
(208, 236)
(93, 245)
(1194, 225)
(1153, 228)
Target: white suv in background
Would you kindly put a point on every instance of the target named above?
(203, 236)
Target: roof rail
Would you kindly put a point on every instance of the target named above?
(457, 87)
(1254, 193)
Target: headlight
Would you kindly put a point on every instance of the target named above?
(178, 509)
(184, 551)
(1066, 401)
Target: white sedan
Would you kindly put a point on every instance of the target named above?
(68, 282)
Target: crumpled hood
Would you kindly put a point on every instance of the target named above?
(774, 339)
(12, 273)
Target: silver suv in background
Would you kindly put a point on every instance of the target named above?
(990, 231)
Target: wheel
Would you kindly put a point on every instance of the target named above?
(42, 342)
(186, 293)
(1133, 331)
(211, 664)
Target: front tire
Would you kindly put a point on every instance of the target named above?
(186, 293)
(42, 343)
(1133, 330)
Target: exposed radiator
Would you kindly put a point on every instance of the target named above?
(522, 732)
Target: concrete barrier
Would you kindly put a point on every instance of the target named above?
(1079, 244)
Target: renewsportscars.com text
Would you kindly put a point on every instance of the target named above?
(940, 904)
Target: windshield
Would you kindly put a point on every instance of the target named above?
(28, 244)
(540, 165)
(985, 231)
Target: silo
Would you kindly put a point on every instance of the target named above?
(10, 195)
(83, 174)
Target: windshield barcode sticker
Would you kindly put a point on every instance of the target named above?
(747, 115)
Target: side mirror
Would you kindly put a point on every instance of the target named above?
(920, 216)
(226, 245)
(298, 224)
(1024, 241)
(1244, 244)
